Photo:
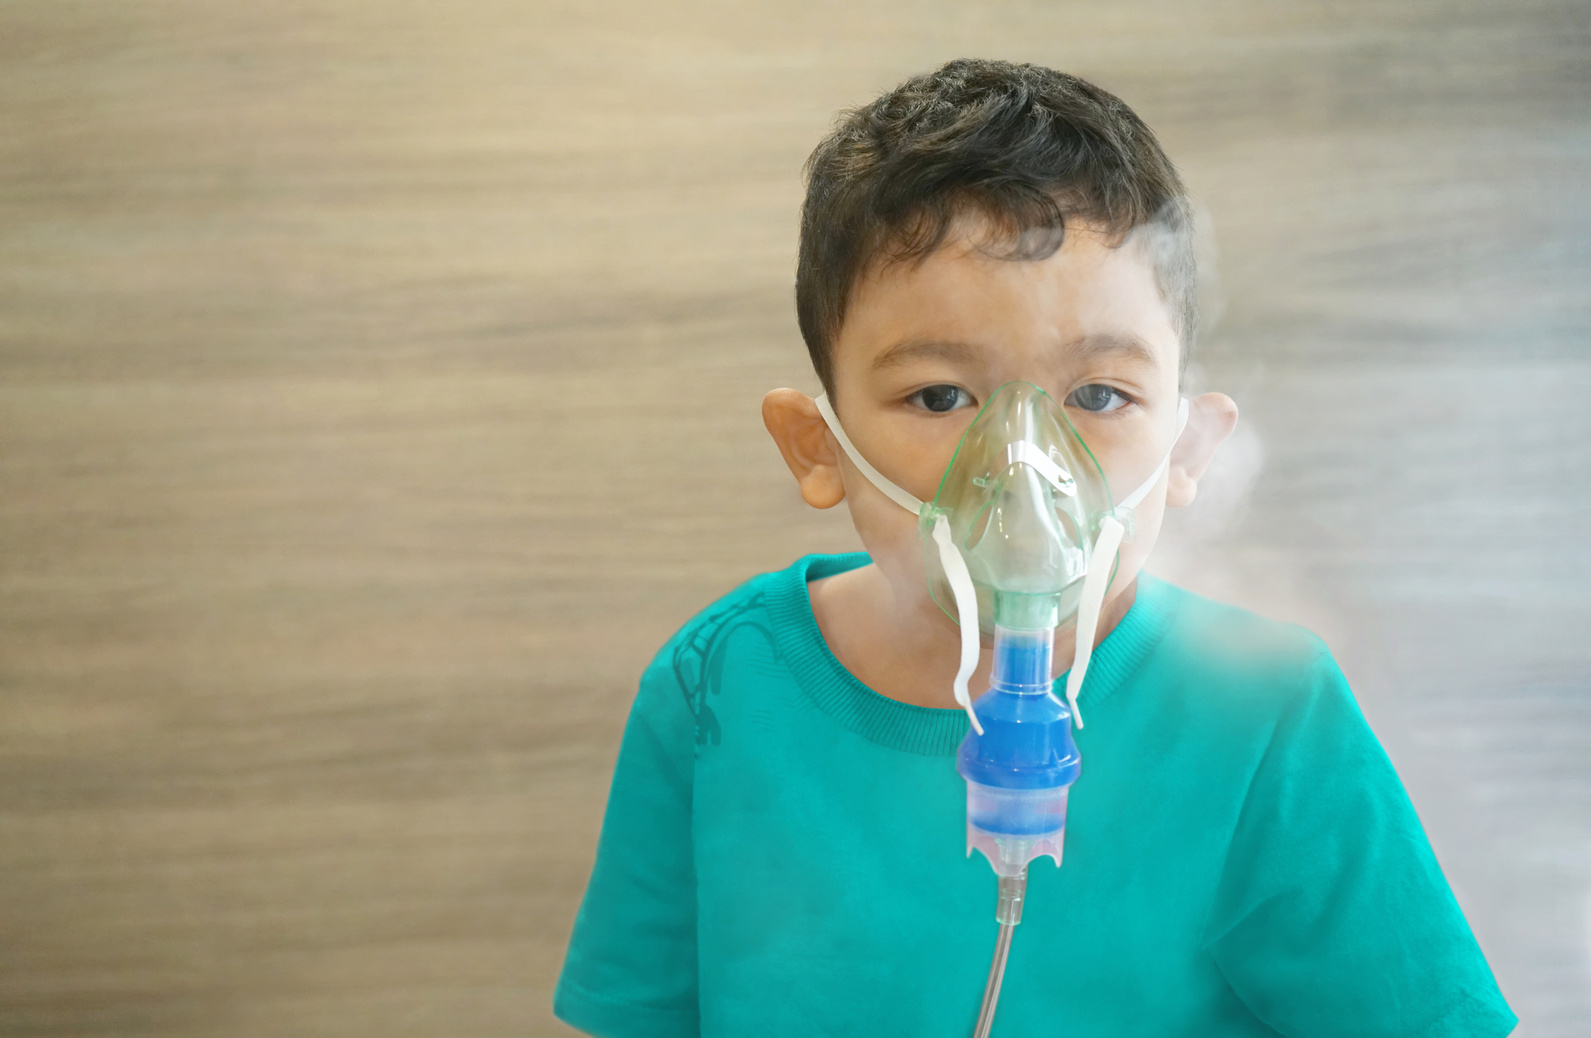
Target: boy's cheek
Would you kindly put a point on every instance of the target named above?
(889, 535)
(1129, 453)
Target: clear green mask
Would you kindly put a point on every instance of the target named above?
(1023, 532)
(1024, 496)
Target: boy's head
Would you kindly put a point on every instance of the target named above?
(978, 225)
(1026, 149)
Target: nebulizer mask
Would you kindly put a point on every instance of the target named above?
(1020, 539)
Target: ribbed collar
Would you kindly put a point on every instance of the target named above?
(932, 731)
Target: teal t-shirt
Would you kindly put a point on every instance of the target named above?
(784, 850)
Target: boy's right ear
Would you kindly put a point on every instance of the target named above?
(808, 447)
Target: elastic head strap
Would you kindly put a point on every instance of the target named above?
(914, 506)
(889, 489)
(966, 597)
(1101, 563)
(1134, 499)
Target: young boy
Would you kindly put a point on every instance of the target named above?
(784, 848)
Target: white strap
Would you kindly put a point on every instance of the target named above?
(955, 566)
(890, 490)
(1021, 451)
(966, 613)
(1100, 565)
(1134, 499)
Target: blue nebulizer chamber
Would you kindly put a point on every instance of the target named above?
(1020, 769)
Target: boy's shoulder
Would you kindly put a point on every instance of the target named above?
(740, 640)
(1232, 661)
(771, 606)
(1229, 635)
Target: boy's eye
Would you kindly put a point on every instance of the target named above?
(1096, 397)
(940, 399)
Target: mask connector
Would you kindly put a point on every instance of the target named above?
(1125, 518)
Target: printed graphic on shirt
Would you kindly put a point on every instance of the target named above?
(699, 659)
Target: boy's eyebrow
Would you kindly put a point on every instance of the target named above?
(1123, 344)
(1087, 347)
(931, 349)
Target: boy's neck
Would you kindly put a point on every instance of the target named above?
(910, 654)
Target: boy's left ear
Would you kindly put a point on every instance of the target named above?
(1211, 419)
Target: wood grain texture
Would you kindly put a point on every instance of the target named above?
(379, 387)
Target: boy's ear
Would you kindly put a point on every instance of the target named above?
(808, 447)
(1211, 419)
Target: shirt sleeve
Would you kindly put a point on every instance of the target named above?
(1332, 916)
(631, 965)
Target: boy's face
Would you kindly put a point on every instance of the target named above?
(925, 344)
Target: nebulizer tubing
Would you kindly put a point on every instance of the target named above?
(1013, 889)
(1020, 766)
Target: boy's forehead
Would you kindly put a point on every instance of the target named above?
(1093, 296)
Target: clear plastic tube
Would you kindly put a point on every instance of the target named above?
(1008, 913)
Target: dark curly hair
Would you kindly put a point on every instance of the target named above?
(1025, 146)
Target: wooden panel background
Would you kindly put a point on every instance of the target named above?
(378, 389)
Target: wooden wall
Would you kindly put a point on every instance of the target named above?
(379, 385)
